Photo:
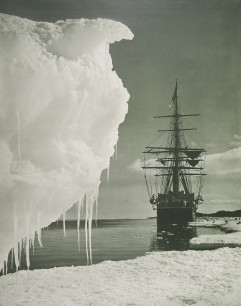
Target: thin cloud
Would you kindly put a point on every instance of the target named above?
(217, 199)
(226, 163)
(236, 141)
(136, 166)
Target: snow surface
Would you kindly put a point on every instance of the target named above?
(231, 237)
(208, 223)
(60, 108)
(231, 227)
(161, 278)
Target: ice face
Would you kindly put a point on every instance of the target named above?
(60, 108)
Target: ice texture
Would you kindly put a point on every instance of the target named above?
(174, 278)
(208, 223)
(231, 237)
(60, 108)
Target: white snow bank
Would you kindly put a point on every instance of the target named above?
(217, 241)
(230, 227)
(60, 108)
(161, 278)
(208, 223)
(206, 242)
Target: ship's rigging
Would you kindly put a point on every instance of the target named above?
(175, 168)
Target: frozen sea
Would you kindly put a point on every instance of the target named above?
(111, 240)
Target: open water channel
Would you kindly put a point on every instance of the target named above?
(111, 240)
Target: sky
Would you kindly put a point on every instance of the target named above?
(197, 42)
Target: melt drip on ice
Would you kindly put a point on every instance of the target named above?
(60, 108)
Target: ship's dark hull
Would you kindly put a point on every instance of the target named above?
(174, 215)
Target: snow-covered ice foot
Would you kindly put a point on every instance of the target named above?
(206, 242)
(161, 278)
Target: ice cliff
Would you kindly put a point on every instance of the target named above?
(60, 108)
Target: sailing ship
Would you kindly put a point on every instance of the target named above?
(172, 171)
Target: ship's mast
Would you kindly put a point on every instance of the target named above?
(176, 131)
(179, 162)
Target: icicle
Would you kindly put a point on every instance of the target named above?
(39, 237)
(16, 245)
(90, 199)
(79, 207)
(27, 251)
(86, 227)
(96, 202)
(64, 223)
(20, 244)
(96, 211)
(78, 223)
(39, 231)
(91, 203)
(32, 243)
(11, 258)
(27, 218)
(19, 140)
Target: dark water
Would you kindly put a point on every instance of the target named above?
(111, 240)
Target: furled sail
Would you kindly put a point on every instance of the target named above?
(193, 154)
(193, 162)
(161, 160)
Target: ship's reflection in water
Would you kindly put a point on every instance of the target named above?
(172, 237)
